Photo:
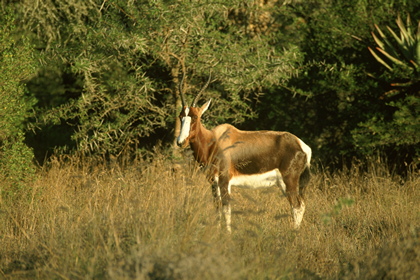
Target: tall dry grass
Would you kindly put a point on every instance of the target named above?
(145, 221)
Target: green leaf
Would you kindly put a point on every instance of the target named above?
(387, 45)
(393, 59)
(379, 59)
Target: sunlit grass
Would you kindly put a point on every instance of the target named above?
(147, 221)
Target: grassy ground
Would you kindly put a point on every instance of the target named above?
(145, 221)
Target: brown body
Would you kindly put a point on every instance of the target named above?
(242, 158)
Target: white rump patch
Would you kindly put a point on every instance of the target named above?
(257, 181)
(307, 150)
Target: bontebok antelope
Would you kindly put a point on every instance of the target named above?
(246, 159)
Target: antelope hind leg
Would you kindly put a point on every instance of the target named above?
(298, 214)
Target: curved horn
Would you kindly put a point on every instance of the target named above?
(181, 90)
(181, 83)
(201, 91)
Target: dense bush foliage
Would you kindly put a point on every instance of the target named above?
(107, 81)
(342, 111)
(16, 65)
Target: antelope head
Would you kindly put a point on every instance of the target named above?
(190, 116)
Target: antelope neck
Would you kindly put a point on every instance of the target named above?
(202, 144)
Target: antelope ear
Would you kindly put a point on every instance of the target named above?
(205, 107)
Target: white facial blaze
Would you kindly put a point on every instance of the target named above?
(185, 127)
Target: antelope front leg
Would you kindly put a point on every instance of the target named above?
(217, 198)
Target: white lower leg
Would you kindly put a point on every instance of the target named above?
(219, 218)
(227, 213)
(298, 214)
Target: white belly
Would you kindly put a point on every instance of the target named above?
(257, 181)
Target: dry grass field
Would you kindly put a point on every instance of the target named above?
(145, 221)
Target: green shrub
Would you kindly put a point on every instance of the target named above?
(396, 126)
(16, 65)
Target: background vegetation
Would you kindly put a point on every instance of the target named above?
(106, 74)
(88, 114)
